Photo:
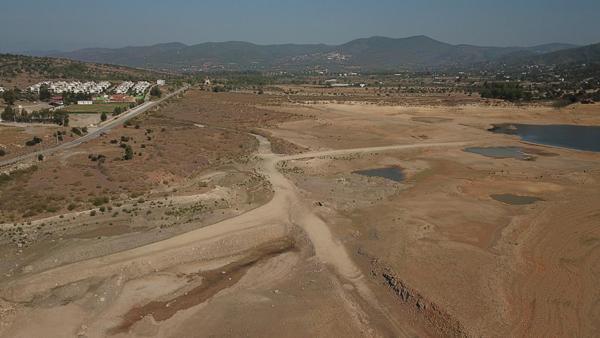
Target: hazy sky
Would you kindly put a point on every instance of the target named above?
(71, 24)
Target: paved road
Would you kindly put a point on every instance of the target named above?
(105, 127)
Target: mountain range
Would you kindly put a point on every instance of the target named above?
(374, 53)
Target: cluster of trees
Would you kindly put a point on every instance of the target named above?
(506, 91)
(72, 98)
(42, 116)
(221, 88)
(155, 92)
(10, 96)
(10, 113)
(117, 111)
(79, 131)
(60, 135)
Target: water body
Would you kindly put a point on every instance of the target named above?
(515, 199)
(500, 152)
(391, 173)
(585, 138)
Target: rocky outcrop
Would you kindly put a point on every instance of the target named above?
(434, 316)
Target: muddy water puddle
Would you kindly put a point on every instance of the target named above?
(512, 199)
(391, 173)
(577, 137)
(519, 153)
(500, 152)
(431, 119)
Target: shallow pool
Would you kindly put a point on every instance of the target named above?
(567, 136)
(391, 173)
(499, 152)
(515, 199)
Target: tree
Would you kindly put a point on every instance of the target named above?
(9, 96)
(155, 92)
(8, 114)
(117, 111)
(504, 91)
(36, 140)
(128, 153)
(103, 117)
(76, 131)
(45, 93)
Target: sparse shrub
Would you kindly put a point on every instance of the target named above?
(98, 201)
(76, 131)
(128, 153)
(34, 141)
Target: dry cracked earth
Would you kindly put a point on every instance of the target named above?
(255, 217)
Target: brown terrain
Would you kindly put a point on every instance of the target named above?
(21, 71)
(245, 215)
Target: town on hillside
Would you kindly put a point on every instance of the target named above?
(50, 101)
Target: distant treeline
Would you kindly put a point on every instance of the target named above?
(509, 91)
(42, 116)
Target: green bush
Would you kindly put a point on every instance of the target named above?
(128, 153)
(34, 141)
(98, 201)
(506, 91)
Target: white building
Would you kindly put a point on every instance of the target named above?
(85, 102)
(124, 87)
(160, 82)
(2, 89)
(59, 87)
(141, 87)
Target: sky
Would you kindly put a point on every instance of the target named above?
(27, 25)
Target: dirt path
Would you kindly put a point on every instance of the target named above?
(273, 220)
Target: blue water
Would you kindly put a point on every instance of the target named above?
(568, 136)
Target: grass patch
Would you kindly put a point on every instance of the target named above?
(95, 108)
(5, 178)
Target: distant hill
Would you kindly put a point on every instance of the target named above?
(586, 54)
(420, 52)
(21, 70)
(375, 53)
